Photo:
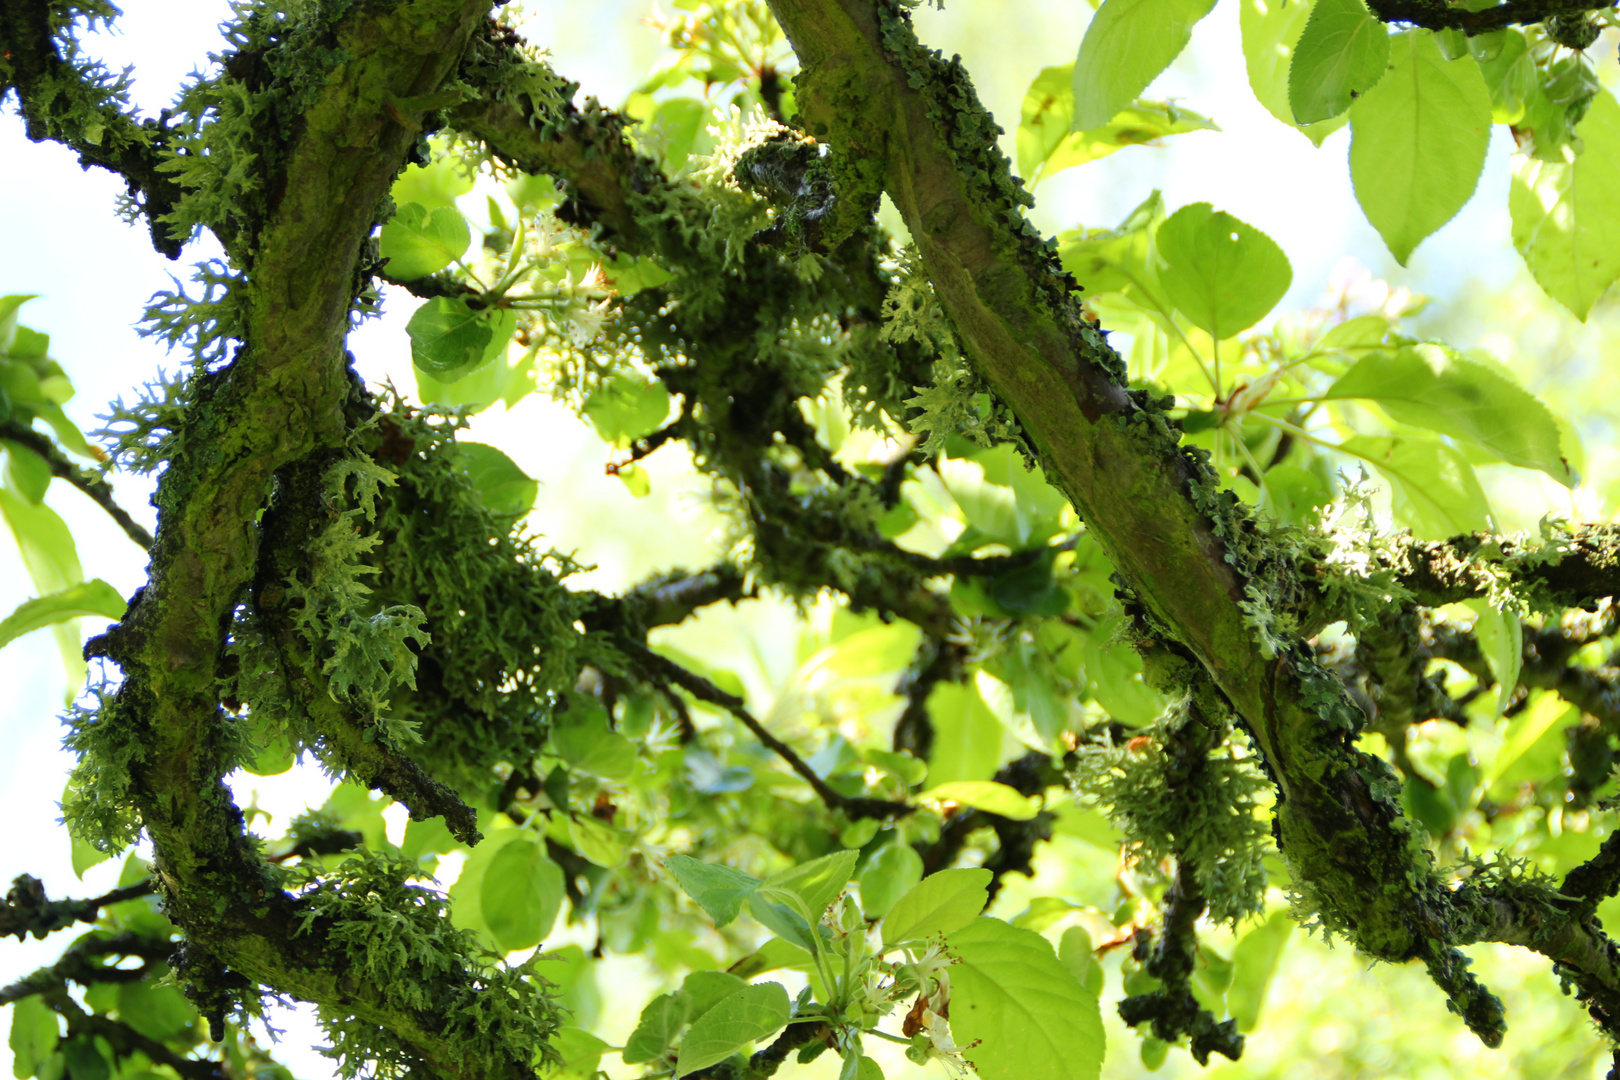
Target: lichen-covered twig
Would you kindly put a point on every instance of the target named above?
(1437, 15)
(27, 910)
(98, 490)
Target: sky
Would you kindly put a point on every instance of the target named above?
(94, 275)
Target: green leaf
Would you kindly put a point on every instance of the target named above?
(1254, 962)
(448, 338)
(705, 989)
(34, 1027)
(437, 184)
(986, 795)
(939, 904)
(624, 409)
(504, 488)
(52, 559)
(26, 471)
(676, 126)
(590, 747)
(1526, 729)
(580, 1052)
(85, 856)
(1430, 386)
(94, 597)
(85, 1061)
(893, 870)
(521, 894)
(1271, 30)
(1434, 489)
(9, 305)
(661, 1020)
(1341, 55)
(1127, 45)
(1117, 260)
(816, 884)
(967, 736)
(1026, 1011)
(158, 1012)
(771, 956)
(1510, 76)
(1418, 141)
(418, 241)
(1222, 273)
(1501, 639)
(1048, 143)
(742, 1018)
(467, 894)
(718, 890)
(1075, 951)
(1566, 213)
(597, 841)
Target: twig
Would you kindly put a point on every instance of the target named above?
(26, 909)
(704, 690)
(98, 490)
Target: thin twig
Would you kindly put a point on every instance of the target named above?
(704, 690)
(26, 909)
(98, 490)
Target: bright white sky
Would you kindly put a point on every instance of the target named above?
(94, 275)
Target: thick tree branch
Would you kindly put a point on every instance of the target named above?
(1438, 15)
(98, 490)
(1571, 567)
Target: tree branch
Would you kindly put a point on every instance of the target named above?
(28, 911)
(666, 670)
(67, 102)
(1438, 15)
(97, 489)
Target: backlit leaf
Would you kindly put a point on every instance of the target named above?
(1127, 45)
(747, 1016)
(939, 904)
(1418, 141)
(1254, 962)
(1223, 274)
(1434, 489)
(718, 890)
(88, 598)
(1566, 213)
(417, 241)
(1028, 1014)
(506, 489)
(1048, 143)
(1341, 55)
(1433, 387)
(521, 894)
(1271, 30)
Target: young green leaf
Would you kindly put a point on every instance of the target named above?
(1341, 55)
(1566, 213)
(448, 338)
(580, 1052)
(52, 559)
(504, 488)
(892, 870)
(705, 989)
(718, 890)
(1510, 76)
(986, 795)
(590, 747)
(661, 1020)
(1025, 1010)
(417, 241)
(967, 736)
(1434, 489)
(521, 894)
(26, 472)
(750, 1014)
(1418, 141)
(467, 894)
(624, 409)
(939, 904)
(94, 597)
(35, 1030)
(1271, 30)
(1048, 142)
(1254, 962)
(1501, 639)
(1222, 273)
(771, 956)
(1430, 386)
(158, 1012)
(1127, 45)
(815, 884)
